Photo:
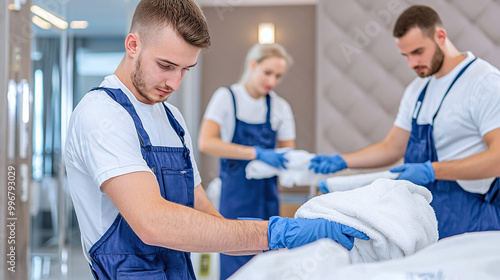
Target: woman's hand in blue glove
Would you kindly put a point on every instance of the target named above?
(291, 233)
(271, 157)
(327, 164)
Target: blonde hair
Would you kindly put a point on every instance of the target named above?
(259, 52)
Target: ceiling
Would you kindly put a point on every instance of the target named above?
(112, 17)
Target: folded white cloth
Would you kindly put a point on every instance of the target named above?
(462, 257)
(296, 174)
(350, 182)
(395, 214)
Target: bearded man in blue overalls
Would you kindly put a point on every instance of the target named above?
(133, 179)
(447, 128)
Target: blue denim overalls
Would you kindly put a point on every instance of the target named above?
(242, 198)
(120, 254)
(457, 210)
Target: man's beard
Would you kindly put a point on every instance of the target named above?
(436, 62)
(138, 81)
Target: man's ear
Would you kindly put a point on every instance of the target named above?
(132, 44)
(440, 36)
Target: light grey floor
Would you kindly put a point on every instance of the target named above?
(47, 265)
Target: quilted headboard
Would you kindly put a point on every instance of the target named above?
(361, 73)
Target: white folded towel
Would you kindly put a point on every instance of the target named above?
(296, 174)
(395, 214)
(350, 182)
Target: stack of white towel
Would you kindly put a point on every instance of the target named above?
(297, 171)
(395, 214)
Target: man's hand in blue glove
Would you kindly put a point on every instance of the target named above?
(291, 233)
(417, 173)
(271, 157)
(327, 164)
(323, 187)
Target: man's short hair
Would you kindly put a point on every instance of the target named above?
(184, 16)
(423, 17)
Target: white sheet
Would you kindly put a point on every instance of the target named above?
(395, 214)
(317, 260)
(462, 257)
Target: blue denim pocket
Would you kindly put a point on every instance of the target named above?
(141, 275)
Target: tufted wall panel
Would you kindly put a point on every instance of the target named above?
(361, 74)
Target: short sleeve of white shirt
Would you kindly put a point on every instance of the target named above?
(103, 141)
(221, 110)
(485, 103)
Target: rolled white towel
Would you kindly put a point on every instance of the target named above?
(350, 182)
(257, 169)
(296, 174)
(395, 214)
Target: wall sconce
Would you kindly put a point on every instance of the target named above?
(266, 33)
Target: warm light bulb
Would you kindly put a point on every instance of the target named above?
(266, 33)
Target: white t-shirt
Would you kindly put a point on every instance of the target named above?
(220, 109)
(102, 143)
(470, 110)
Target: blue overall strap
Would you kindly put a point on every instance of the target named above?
(268, 103)
(234, 106)
(123, 100)
(418, 105)
(175, 125)
(452, 83)
(234, 101)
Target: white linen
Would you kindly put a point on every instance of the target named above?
(395, 214)
(296, 174)
(350, 182)
(461, 257)
(317, 260)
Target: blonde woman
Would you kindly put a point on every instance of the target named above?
(247, 121)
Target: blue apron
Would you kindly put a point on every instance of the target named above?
(120, 254)
(457, 210)
(247, 198)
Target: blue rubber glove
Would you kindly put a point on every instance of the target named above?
(418, 173)
(327, 164)
(291, 233)
(271, 157)
(323, 187)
